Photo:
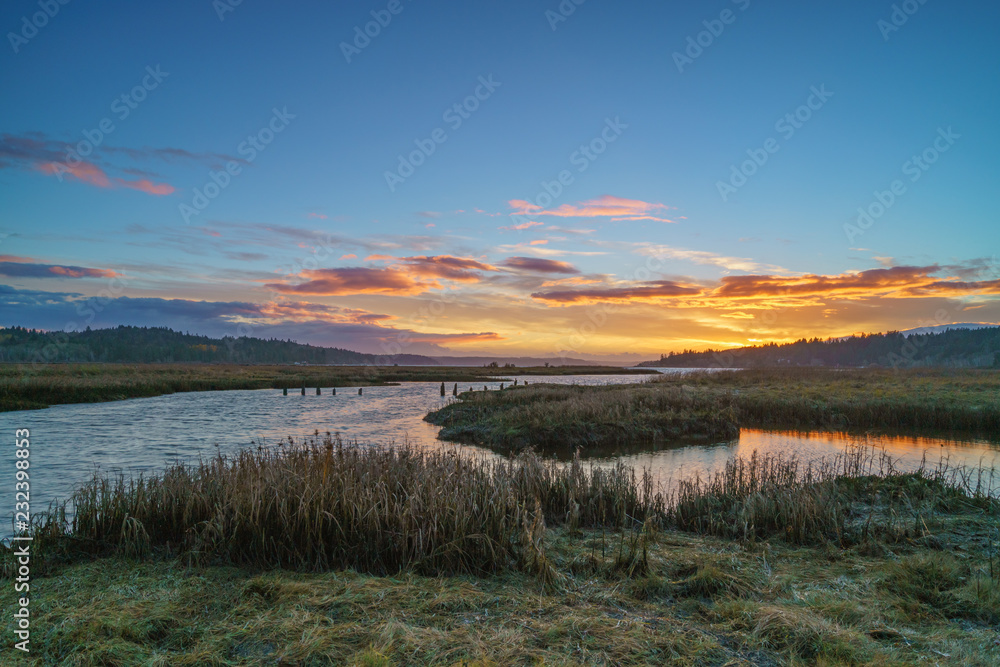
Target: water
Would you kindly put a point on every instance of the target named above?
(70, 442)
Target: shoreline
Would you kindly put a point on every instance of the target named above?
(852, 568)
(31, 387)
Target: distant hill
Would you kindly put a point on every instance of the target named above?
(956, 348)
(948, 327)
(162, 345)
(126, 344)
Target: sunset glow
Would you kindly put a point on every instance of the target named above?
(594, 191)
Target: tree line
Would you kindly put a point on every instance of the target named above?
(128, 344)
(955, 348)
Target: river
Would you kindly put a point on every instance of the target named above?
(70, 442)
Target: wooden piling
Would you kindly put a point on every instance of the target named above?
(442, 388)
(286, 391)
(318, 392)
(303, 390)
(359, 391)
(454, 392)
(333, 392)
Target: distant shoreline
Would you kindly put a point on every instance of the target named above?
(38, 386)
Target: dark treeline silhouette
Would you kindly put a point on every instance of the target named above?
(957, 348)
(163, 345)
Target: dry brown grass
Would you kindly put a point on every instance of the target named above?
(321, 505)
(562, 418)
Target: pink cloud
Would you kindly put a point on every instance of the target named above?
(147, 186)
(81, 272)
(608, 206)
(317, 215)
(352, 256)
(523, 225)
(84, 172)
(91, 174)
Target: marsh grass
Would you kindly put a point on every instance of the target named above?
(948, 400)
(35, 386)
(553, 564)
(563, 417)
(713, 406)
(322, 504)
(855, 497)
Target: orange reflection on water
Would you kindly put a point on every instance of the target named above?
(907, 452)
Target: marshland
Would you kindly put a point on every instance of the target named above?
(29, 386)
(548, 541)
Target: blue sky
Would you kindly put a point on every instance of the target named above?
(309, 241)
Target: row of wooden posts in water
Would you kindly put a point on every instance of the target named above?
(318, 391)
(454, 391)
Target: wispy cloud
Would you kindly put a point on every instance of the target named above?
(447, 267)
(354, 280)
(26, 267)
(35, 152)
(538, 265)
(608, 206)
(652, 290)
(704, 257)
(522, 226)
(735, 292)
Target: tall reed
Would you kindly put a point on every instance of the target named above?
(322, 504)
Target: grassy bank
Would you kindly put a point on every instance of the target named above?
(770, 562)
(558, 417)
(715, 405)
(945, 400)
(32, 386)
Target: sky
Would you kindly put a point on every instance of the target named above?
(579, 178)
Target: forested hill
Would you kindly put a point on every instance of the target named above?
(957, 348)
(162, 345)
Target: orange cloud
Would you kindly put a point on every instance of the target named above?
(417, 337)
(300, 311)
(91, 174)
(446, 267)
(863, 283)
(734, 292)
(956, 288)
(354, 280)
(608, 206)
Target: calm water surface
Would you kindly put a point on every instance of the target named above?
(70, 442)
